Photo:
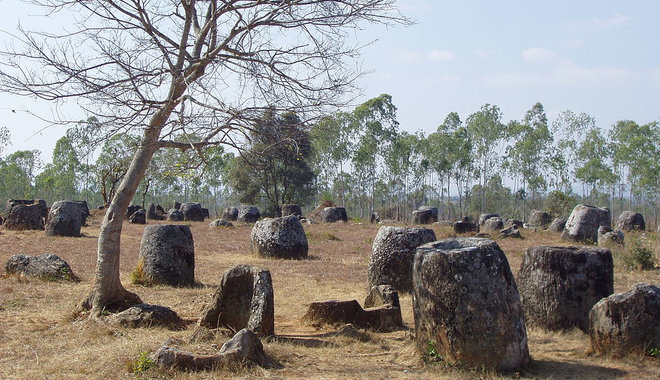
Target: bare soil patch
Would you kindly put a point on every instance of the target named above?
(40, 338)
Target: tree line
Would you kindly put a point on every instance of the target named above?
(362, 160)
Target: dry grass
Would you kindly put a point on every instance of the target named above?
(39, 340)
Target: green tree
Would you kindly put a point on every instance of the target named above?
(274, 169)
(486, 132)
(376, 126)
(530, 153)
(17, 174)
(594, 169)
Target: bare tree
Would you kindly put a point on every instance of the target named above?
(166, 67)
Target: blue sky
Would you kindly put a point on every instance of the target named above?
(598, 57)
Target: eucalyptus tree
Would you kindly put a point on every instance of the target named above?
(594, 166)
(569, 131)
(486, 132)
(530, 152)
(375, 126)
(170, 66)
(59, 178)
(635, 154)
(18, 173)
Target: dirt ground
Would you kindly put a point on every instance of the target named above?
(41, 339)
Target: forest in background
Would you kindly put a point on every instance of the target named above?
(364, 161)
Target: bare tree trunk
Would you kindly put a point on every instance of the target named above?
(108, 292)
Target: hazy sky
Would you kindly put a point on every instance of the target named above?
(599, 57)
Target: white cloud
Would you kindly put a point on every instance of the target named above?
(598, 23)
(441, 55)
(567, 74)
(538, 55)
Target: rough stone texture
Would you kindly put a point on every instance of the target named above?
(484, 217)
(177, 205)
(167, 255)
(40, 202)
(392, 256)
(244, 347)
(382, 295)
(557, 225)
(64, 219)
(244, 299)
(333, 214)
(138, 217)
(582, 225)
(559, 285)
(131, 210)
(282, 238)
(492, 224)
(462, 227)
(154, 213)
(248, 214)
(425, 215)
(626, 323)
(230, 214)
(291, 209)
(47, 266)
(25, 217)
(84, 212)
(607, 237)
(375, 218)
(513, 223)
(175, 215)
(539, 219)
(220, 223)
(333, 312)
(466, 305)
(192, 212)
(629, 221)
(145, 315)
(510, 232)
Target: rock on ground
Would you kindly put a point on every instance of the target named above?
(557, 225)
(47, 266)
(333, 214)
(626, 323)
(145, 315)
(279, 237)
(64, 219)
(220, 223)
(167, 255)
(425, 215)
(392, 256)
(466, 305)
(559, 285)
(192, 211)
(248, 214)
(244, 299)
(629, 221)
(539, 219)
(582, 225)
(26, 217)
(244, 347)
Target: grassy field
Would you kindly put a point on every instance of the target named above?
(41, 339)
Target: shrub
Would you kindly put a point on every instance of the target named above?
(638, 255)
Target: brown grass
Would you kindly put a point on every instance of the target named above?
(40, 339)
